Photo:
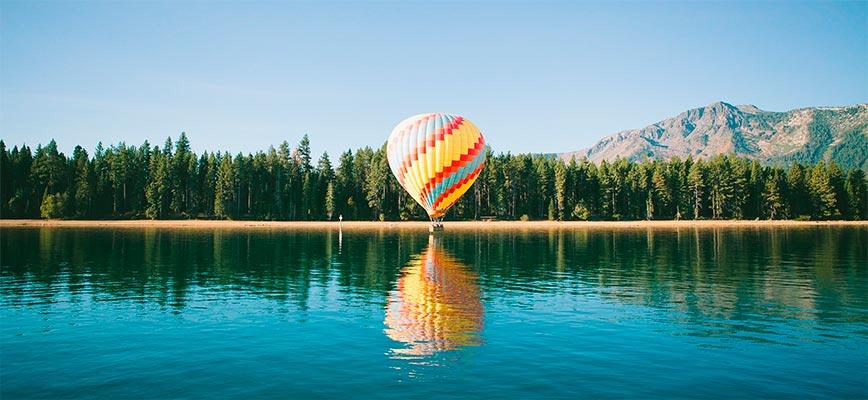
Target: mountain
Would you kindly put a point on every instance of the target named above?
(804, 135)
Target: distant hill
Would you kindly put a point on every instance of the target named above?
(805, 135)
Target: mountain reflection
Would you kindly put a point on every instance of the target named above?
(435, 306)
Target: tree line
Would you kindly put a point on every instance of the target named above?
(283, 183)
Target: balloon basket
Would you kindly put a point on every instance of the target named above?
(435, 227)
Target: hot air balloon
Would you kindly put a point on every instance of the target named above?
(436, 157)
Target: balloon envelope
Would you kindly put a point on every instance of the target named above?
(436, 157)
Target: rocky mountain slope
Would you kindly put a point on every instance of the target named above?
(805, 135)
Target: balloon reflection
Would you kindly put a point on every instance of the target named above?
(436, 306)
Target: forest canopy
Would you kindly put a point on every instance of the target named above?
(283, 183)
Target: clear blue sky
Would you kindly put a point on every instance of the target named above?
(534, 77)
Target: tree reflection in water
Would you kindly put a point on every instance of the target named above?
(707, 277)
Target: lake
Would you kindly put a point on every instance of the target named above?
(597, 313)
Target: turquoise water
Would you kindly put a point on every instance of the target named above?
(708, 313)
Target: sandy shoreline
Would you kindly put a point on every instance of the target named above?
(416, 225)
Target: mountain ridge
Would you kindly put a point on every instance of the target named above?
(808, 134)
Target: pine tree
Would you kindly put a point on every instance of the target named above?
(103, 191)
(608, 191)
(83, 186)
(309, 198)
(375, 184)
(857, 194)
(561, 189)
(193, 191)
(158, 186)
(170, 177)
(756, 186)
(773, 198)
(543, 183)
(224, 192)
(797, 194)
(822, 193)
(722, 187)
(239, 184)
(180, 178)
(837, 180)
(324, 177)
(494, 185)
(642, 188)
(279, 162)
(361, 166)
(662, 191)
(330, 201)
(739, 190)
(5, 181)
(21, 190)
(681, 198)
(119, 164)
(297, 172)
(303, 150)
(619, 171)
(344, 187)
(551, 210)
(48, 169)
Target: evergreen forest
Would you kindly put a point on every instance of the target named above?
(285, 183)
